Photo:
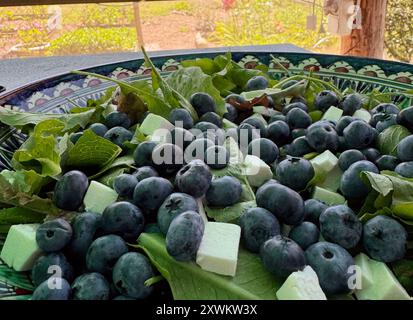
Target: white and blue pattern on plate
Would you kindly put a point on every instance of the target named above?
(55, 94)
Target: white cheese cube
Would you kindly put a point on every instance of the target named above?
(325, 161)
(333, 114)
(218, 251)
(382, 285)
(154, 122)
(332, 180)
(20, 249)
(362, 114)
(98, 197)
(329, 197)
(301, 285)
(256, 170)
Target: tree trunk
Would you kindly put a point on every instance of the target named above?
(369, 40)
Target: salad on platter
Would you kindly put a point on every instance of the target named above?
(213, 182)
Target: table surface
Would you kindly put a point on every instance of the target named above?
(18, 72)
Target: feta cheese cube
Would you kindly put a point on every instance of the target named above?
(98, 197)
(333, 114)
(218, 251)
(257, 171)
(154, 122)
(20, 249)
(301, 285)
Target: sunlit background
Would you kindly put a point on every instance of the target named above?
(161, 25)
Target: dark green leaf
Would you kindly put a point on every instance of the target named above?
(390, 138)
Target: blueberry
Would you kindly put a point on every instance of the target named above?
(175, 204)
(295, 173)
(47, 292)
(322, 136)
(91, 286)
(257, 226)
(296, 133)
(41, 269)
(257, 123)
(204, 126)
(123, 219)
(152, 228)
(348, 157)
(181, 115)
(340, 225)
(405, 149)
(123, 298)
(197, 149)
(232, 112)
(313, 209)
(53, 235)
(405, 118)
(256, 83)
(143, 153)
(277, 117)
(325, 99)
(213, 118)
(118, 135)
(125, 184)
(202, 103)
(282, 256)
(130, 273)
(104, 252)
(384, 239)
(299, 147)
(181, 137)
(194, 178)
(145, 172)
(331, 263)
(70, 190)
(388, 121)
(294, 105)
(265, 149)
(184, 236)
(405, 169)
(99, 128)
(351, 185)
(223, 192)
(376, 118)
(288, 84)
(343, 123)
(387, 162)
(351, 103)
(297, 118)
(246, 134)
(217, 137)
(285, 203)
(387, 108)
(217, 157)
(234, 98)
(371, 154)
(167, 158)
(151, 192)
(305, 234)
(85, 226)
(74, 137)
(117, 119)
(359, 134)
(278, 132)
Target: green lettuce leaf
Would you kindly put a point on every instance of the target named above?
(187, 81)
(125, 162)
(40, 152)
(189, 282)
(390, 138)
(16, 190)
(392, 191)
(231, 213)
(23, 120)
(92, 150)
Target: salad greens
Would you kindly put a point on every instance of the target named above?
(188, 281)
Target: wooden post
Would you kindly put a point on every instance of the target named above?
(369, 40)
(138, 24)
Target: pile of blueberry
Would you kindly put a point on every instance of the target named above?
(163, 197)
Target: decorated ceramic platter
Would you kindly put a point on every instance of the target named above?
(239, 175)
